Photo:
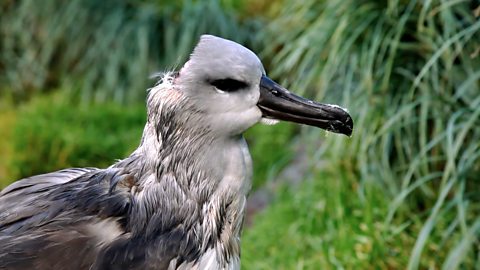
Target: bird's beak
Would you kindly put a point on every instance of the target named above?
(276, 102)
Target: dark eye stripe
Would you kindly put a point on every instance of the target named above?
(229, 85)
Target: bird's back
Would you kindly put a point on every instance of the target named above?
(61, 219)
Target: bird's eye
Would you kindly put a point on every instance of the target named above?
(228, 85)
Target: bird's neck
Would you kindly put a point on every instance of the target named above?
(195, 183)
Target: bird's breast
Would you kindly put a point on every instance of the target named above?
(202, 199)
(224, 213)
(237, 172)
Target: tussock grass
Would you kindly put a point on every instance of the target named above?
(103, 50)
(409, 72)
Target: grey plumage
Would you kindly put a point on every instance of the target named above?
(177, 202)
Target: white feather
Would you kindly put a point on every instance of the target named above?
(269, 121)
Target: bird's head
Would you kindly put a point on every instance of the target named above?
(227, 84)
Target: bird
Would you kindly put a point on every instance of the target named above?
(178, 201)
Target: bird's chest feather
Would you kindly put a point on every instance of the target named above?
(195, 213)
(237, 169)
(223, 213)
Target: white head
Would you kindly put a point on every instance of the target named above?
(226, 84)
(223, 78)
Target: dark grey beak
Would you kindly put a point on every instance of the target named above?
(278, 103)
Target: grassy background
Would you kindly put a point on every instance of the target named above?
(401, 193)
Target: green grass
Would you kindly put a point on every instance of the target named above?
(270, 149)
(50, 133)
(330, 222)
(324, 224)
(7, 120)
(104, 51)
(407, 71)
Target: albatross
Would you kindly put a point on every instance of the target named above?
(178, 201)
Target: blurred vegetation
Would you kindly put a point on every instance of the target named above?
(269, 146)
(410, 73)
(103, 50)
(401, 193)
(48, 135)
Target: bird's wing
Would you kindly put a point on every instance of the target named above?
(20, 199)
(63, 218)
